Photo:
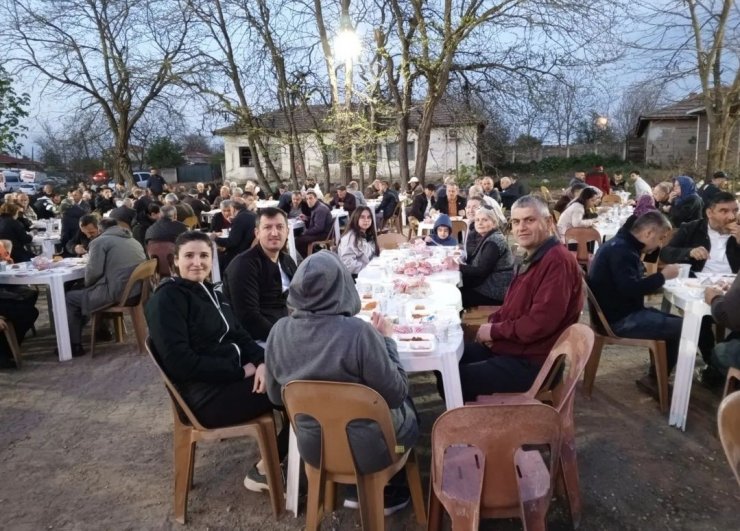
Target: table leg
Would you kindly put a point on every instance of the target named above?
(337, 234)
(375, 222)
(291, 245)
(451, 382)
(685, 365)
(58, 301)
(47, 247)
(216, 270)
(293, 475)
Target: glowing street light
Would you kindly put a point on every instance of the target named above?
(347, 46)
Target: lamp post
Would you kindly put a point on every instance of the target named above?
(600, 124)
(347, 49)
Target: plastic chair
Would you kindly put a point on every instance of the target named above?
(605, 336)
(583, 236)
(349, 401)
(191, 222)
(133, 304)
(12, 339)
(507, 482)
(328, 244)
(556, 384)
(728, 422)
(391, 240)
(164, 252)
(188, 431)
(546, 195)
(733, 381)
(413, 225)
(459, 229)
(394, 222)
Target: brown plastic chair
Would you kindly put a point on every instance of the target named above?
(12, 339)
(134, 305)
(394, 222)
(733, 381)
(583, 236)
(391, 240)
(191, 222)
(188, 431)
(349, 401)
(459, 229)
(413, 225)
(728, 422)
(164, 252)
(556, 384)
(605, 336)
(546, 195)
(508, 482)
(329, 243)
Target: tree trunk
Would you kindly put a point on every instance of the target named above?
(403, 153)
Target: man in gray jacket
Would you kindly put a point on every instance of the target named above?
(322, 340)
(113, 256)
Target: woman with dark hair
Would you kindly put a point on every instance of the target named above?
(686, 205)
(489, 267)
(215, 364)
(13, 230)
(575, 213)
(359, 243)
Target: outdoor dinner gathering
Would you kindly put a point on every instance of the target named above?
(369, 264)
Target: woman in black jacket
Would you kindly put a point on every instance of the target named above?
(686, 205)
(215, 364)
(13, 230)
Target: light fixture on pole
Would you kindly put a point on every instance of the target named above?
(600, 123)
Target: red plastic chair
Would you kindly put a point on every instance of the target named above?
(567, 361)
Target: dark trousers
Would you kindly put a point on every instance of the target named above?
(21, 311)
(235, 403)
(303, 242)
(472, 298)
(650, 323)
(483, 372)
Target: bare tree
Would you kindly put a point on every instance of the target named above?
(117, 56)
(637, 100)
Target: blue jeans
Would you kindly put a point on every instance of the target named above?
(650, 323)
(727, 354)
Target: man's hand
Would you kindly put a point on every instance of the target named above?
(699, 253)
(259, 379)
(382, 324)
(670, 271)
(734, 229)
(213, 236)
(80, 250)
(710, 293)
(484, 334)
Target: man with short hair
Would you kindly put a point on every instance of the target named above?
(318, 224)
(241, 234)
(709, 190)
(343, 199)
(223, 194)
(196, 203)
(452, 204)
(578, 177)
(489, 189)
(222, 220)
(387, 204)
(283, 197)
(113, 257)
(617, 279)
(509, 192)
(166, 228)
(88, 230)
(544, 298)
(641, 187)
(599, 179)
(144, 221)
(353, 188)
(256, 281)
(422, 203)
(104, 201)
(156, 183)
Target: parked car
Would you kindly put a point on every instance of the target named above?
(31, 189)
(10, 181)
(141, 178)
(100, 178)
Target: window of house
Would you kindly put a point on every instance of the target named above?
(245, 157)
(391, 150)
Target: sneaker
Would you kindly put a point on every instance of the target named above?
(255, 481)
(395, 498)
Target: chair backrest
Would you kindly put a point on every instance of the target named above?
(180, 408)
(391, 240)
(611, 199)
(498, 431)
(164, 252)
(546, 195)
(334, 405)
(413, 224)
(582, 235)
(141, 275)
(459, 229)
(191, 222)
(597, 317)
(728, 422)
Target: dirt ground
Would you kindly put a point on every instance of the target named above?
(87, 444)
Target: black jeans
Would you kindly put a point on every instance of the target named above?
(235, 403)
(471, 298)
(483, 372)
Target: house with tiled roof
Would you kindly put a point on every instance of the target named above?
(453, 144)
(677, 136)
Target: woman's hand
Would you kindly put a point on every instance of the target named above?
(259, 379)
(249, 370)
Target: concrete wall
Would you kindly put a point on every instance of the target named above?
(672, 143)
(536, 154)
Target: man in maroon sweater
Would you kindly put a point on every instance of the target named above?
(544, 298)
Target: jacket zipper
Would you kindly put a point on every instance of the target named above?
(218, 307)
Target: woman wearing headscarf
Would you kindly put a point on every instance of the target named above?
(644, 203)
(686, 205)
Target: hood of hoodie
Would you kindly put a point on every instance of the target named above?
(688, 188)
(117, 232)
(323, 286)
(443, 221)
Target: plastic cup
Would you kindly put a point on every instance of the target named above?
(684, 270)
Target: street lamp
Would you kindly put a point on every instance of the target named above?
(347, 49)
(347, 46)
(600, 122)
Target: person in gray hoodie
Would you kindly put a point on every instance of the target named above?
(322, 340)
(113, 257)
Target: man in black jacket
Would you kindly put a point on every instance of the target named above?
(343, 199)
(156, 183)
(241, 234)
(422, 203)
(710, 245)
(256, 281)
(452, 204)
(387, 204)
(166, 228)
(709, 190)
(318, 223)
(87, 231)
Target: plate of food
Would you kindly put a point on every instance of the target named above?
(369, 305)
(419, 313)
(415, 343)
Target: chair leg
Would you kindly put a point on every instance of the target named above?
(119, 327)
(661, 371)
(93, 325)
(330, 496)
(267, 441)
(12, 340)
(434, 520)
(313, 501)
(589, 373)
(370, 495)
(139, 320)
(414, 480)
(183, 459)
(569, 471)
(191, 468)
